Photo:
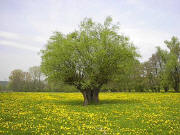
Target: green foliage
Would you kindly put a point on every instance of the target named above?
(16, 80)
(173, 63)
(95, 57)
(174, 46)
(162, 70)
(26, 81)
(34, 78)
(89, 57)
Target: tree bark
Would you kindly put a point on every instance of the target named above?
(176, 87)
(86, 102)
(90, 96)
(96, 96)
(166, 88)
(177, 80)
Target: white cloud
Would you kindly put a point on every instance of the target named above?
(21, 41)
(19, 45)
(22, 38)
(133, 1)
(9, 35)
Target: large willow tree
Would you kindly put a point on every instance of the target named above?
(88, 57)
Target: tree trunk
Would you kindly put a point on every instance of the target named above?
(90, 96)
(129, 90)
(177, 80)
(85, 98)
(158, 89)
(96, 96)
(176, 87)
(166, 88)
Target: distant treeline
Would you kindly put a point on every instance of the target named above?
(32, 81)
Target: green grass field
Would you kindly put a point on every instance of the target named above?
(63, 113)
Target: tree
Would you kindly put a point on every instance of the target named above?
(27, 82)
(173, 63)
(128, 79)
(16, 80)
(36, 75)
(162, 58)
(163, 68)
(152, 70)
(88, 57)
(140, 78)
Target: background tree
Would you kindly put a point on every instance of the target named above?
(162, 57)
(16, 80)
(140, 78)
(127, 77)
(26, 81)
(173, 63)
(27, 86)
(36, 76)
(58, 86)
(155, 69)
(163, 68)
(88, 58)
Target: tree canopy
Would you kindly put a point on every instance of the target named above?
(88, 57)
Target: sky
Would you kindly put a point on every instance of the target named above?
(26, 25)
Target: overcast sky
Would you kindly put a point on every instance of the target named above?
(25, 25)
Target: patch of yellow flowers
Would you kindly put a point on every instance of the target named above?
(63, 113)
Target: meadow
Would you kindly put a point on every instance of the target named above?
(116, 114)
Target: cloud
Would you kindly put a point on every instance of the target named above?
(18, 45)
(133, 2)
(20, 37)
(21, 41)
(9, 35)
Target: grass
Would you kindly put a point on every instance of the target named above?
(63, 113)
